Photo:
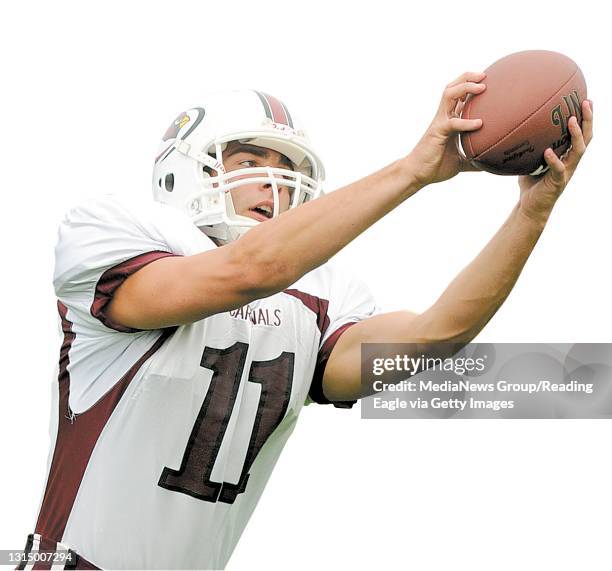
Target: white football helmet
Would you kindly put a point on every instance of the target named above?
(189, 172)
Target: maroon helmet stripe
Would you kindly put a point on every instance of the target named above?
(77, 436)
(165, 152)
(279, 115)
(275, 109)
(290, 122)
(266, 105)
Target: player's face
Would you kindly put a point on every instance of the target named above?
(256, 200)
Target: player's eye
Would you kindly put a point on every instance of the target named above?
(248, 164)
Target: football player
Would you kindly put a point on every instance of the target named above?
(198, 325)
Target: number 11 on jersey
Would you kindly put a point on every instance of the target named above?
(275, 378)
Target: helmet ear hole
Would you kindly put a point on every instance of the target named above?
(159, 183)
(169, 182)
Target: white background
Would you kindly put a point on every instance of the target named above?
(87, 91)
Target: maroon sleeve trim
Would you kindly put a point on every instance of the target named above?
(316, 387)
(317, 305)
(111, 279)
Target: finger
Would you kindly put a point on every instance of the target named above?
(578, 143)
(557, 168)
(580, 138)
(462, 125)
(587, 121)
(474, 76)
(459, 92)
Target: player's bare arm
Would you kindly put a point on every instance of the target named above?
(474, 296)
(178, 428)
(273, 255)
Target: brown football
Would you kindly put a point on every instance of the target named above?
(529, 99)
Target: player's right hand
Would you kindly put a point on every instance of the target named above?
(435, 157)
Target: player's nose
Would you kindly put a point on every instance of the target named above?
(281, 184)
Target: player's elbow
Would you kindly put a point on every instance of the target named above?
(435, 327)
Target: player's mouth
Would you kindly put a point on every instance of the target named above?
(263, 211)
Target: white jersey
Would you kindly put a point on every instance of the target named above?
(165, 439)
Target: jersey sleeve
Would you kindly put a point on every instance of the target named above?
(350, 301)
(104, 241)
(100, 244)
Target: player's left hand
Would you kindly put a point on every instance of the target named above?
(540, 193)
